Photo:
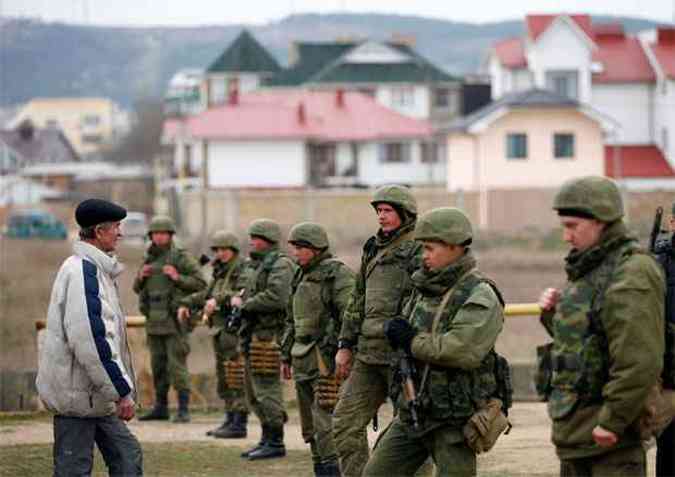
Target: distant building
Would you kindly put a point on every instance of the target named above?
(294, 138)
(90, 124)
(183, 95)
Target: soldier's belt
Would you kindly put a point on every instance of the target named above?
(265, 357)
(234, 373)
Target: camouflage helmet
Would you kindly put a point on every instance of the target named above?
(591, 196)
(162, 223)
(309, 233)
(223, 239)
(396, 195)
(265, 228)
(444, 224)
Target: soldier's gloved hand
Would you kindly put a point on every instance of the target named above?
(400, 333)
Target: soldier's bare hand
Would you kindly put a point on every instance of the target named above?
(549, 298)
(183, 313)
(286, 371)
(145, 271)
(236, 301)
(126, 408)
(343, 363)
(603, 437)
(170, 271)
(210, 306)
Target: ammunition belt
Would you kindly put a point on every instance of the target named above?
(327, 390)
(265, 357)
(234, 372)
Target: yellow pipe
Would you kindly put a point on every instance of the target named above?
(511, 310)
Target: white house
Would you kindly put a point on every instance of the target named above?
(292, 138)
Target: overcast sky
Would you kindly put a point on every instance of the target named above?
(196, 12)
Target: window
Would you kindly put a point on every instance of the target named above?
(92, 138)
(321, 162)
(516, 146)
(403, 96)
(441, 97)
(52, 123)
(564, 83)
(91, 120)
(429, 152)
(563, 145)
(394, 152)
(367, 91)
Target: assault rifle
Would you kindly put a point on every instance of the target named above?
(411, 396)
(242, 325)
(656, 229)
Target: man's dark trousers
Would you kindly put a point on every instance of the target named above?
(74, 439)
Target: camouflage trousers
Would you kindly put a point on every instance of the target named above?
(315, 423)
(630, 461)
(168, 359)
(400, 452)
(361, 395)
(264, 396)
(225, 348)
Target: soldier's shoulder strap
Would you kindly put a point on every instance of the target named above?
(372, 263)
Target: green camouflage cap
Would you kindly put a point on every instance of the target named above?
(396, 195)
(309, 233)
(591, 196)
(444, 224)
(223, 239)
(265, 228)
(162, 223)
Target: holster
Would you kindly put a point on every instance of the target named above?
(485, 426)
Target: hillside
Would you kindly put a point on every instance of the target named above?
(56, 59)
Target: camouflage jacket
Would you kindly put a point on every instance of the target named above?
(268, 288)
(608, 343)
(158, 295)
(460, 352)
(382, 288)
(319, 299)
(228, 280)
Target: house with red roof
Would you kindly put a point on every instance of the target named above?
(296, 138)
(627, 78)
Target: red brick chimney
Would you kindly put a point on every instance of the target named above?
(233, 91)
(666, 35)
(340, 98)
(302, 115)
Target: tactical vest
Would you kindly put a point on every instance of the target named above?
(665, 254)
(314, 314)
(223, 279)
(258, 283)
(454, 394)
(157, 297)
(579, 354)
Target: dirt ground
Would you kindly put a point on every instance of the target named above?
(526, 450)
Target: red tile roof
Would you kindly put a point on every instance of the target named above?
(623, 61)
(638, 162)
(301, 115)
(538, 24)
(511, 53)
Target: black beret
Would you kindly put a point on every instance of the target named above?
(96, 211)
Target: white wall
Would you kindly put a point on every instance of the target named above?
(664, 116)
(420, 105)
(630, 106)
(561, 48)
(496, 77)
(257, 164)
(374, 172)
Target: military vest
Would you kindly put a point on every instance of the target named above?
(225, 277)
(257, 282)
(158, 290)
(453, 394)
(314, 313)
(579, 354)
(665, 254)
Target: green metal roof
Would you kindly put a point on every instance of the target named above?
(312, 58)
(380, 73)
(245, 54)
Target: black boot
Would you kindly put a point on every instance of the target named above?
(273, 448)
(183, 414)
(159, 412)
(236, 430)
(263, 441)
(328, 469)
(223, 425)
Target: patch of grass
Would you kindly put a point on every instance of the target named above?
(175, 459)
(22, 417)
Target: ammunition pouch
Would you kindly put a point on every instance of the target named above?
(234, 373)
(327, 390)
(265, 357)
(544, 372)
(485, 426)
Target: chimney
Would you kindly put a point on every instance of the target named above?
(340, 98)
(233, 91)
(26, 130)
(403, 39)
(302, 115)
(666, 35)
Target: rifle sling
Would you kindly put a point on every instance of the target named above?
(370, 266)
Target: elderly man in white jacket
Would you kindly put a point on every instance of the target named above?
(85, 375)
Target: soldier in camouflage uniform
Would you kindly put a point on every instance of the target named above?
(382, 287)
(263, 310)
(607, 326)
(167, 275)
(213, 306)
(321, 288)
(450, 328)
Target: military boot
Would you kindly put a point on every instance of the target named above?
(183, 414)
(224, 425)
(327, 469)
(237, 428)
(263, 441)
(273, 448)
(159, 412)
